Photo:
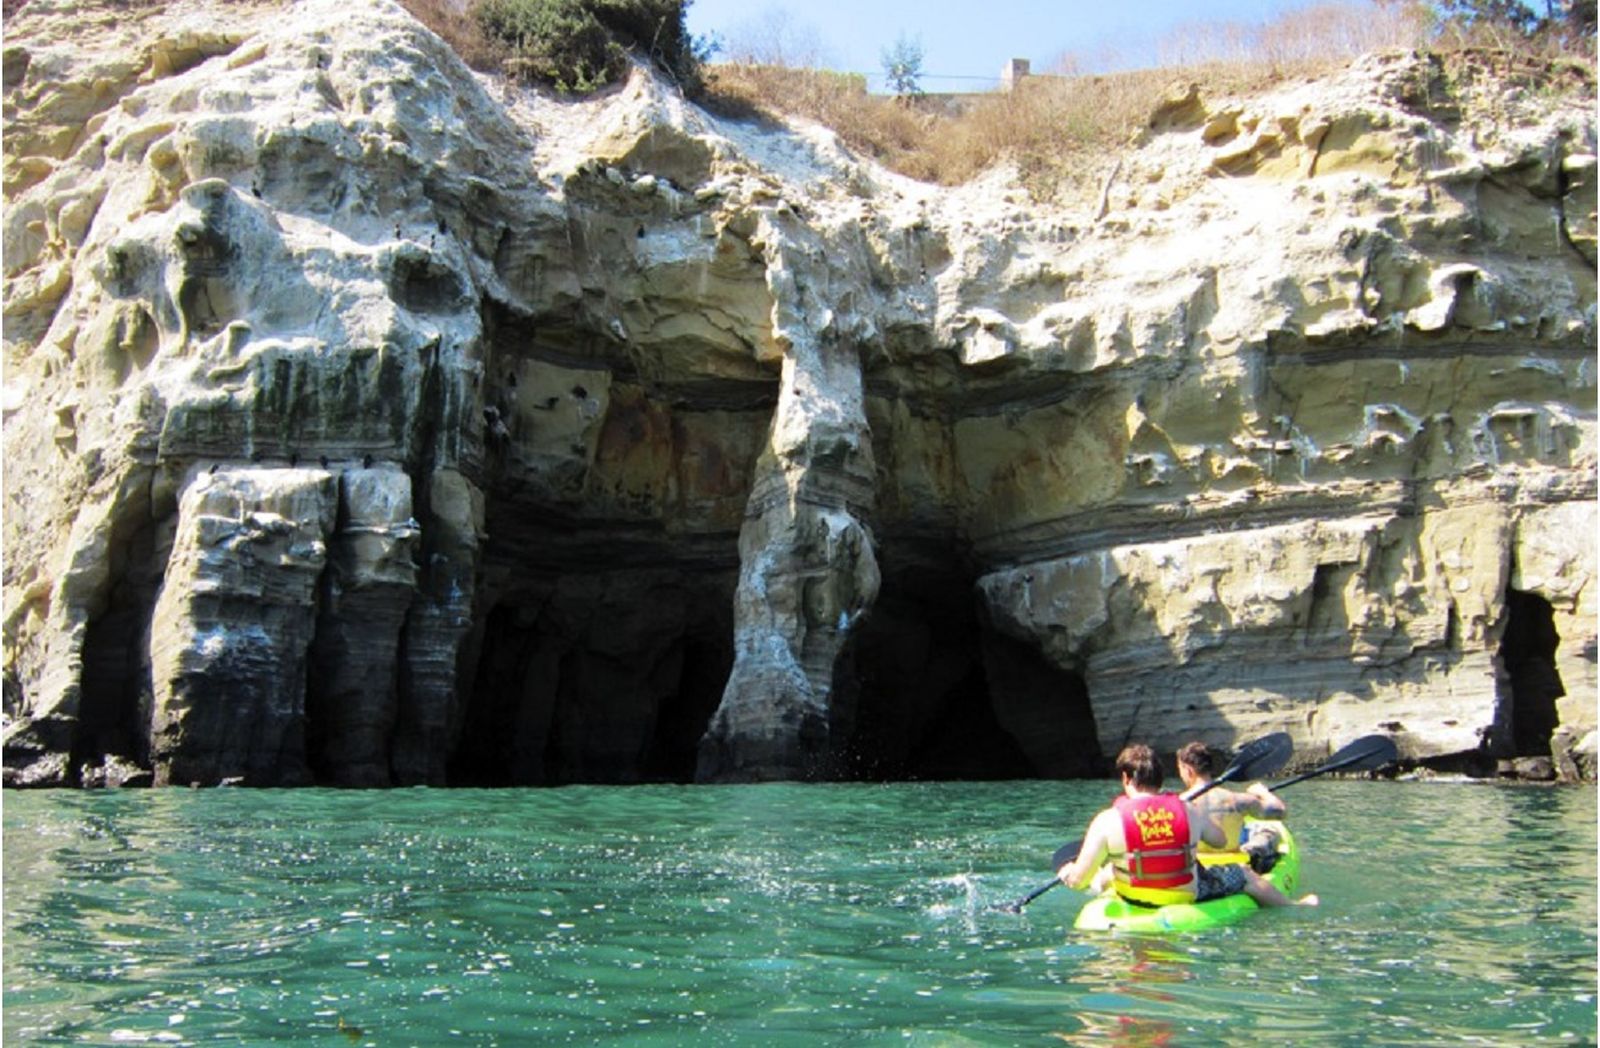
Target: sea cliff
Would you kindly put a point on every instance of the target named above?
(371, 421)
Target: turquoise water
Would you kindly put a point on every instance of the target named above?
(770, 915)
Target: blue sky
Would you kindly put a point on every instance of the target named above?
(961, 38)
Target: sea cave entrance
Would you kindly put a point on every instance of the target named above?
(929, 690)
(605, 677)
(116, 686)
(594, 664)
(1528, 657)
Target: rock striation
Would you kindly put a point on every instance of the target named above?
(368, 421)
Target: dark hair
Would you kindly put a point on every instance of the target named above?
(1138, 762)
(1198, 756)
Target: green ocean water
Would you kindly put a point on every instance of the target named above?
(771, 915)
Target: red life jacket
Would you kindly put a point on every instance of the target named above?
(1158, 867)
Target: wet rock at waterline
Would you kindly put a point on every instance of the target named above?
(371, 422)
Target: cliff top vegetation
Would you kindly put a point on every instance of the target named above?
(1060, 128)
(1057, 128)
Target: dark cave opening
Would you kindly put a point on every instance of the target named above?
(1528, 657)
(929, 691)
(115, 681)
(613, 676)
(597, 678)
(613, 501)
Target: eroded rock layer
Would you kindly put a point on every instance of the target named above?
(371, 422)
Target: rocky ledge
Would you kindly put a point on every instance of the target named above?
(368, 421)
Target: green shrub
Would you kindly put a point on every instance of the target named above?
(582, 45)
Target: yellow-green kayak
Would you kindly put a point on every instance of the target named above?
(1111, 912)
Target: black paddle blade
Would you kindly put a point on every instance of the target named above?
(1365, 754)
(1262, 757)
(1066, 853)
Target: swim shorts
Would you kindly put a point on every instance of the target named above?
(1216, 881)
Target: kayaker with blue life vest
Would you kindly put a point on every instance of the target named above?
(1196, 766)
(1150, 839)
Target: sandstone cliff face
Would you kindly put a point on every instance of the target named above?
(368, 422)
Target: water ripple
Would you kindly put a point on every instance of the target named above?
(777, 914)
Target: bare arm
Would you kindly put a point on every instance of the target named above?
(1080, 871)
(1263, 801)
(1209, 829)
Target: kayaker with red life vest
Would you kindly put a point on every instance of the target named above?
(1150, 839)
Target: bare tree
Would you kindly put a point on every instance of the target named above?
(776, 38)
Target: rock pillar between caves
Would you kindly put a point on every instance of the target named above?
(808, 570)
